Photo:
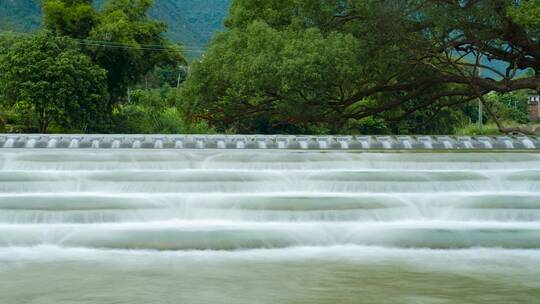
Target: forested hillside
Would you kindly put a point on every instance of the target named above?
(19, 15)
(191, 22)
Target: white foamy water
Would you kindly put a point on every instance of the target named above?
(241, 226)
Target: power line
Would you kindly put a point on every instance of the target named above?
(105, 41)
(119, 45)
(141, 47)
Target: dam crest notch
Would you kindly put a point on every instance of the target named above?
(268, 142)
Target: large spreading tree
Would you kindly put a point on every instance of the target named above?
(330, 62)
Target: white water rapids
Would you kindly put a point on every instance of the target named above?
(242, 226)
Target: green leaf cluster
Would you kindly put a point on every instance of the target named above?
(155, 111)
(526, 12)
(49, 81)
(74, 18)
(121, 38)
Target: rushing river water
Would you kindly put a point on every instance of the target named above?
(209, 226)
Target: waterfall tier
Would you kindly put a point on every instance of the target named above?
(242, 199)
(270, 142)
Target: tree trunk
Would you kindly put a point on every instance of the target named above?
(43, 125)
(43, 121)
(501, 127)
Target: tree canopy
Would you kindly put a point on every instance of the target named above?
(46, 77)
(74, 18)
(330, 62)
(120, 38)
(75, 75)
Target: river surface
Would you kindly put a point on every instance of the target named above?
(209, 226)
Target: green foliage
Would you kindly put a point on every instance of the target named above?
(191, 22)
(121, 38)
(273, 79)
(155, 111)
(526, 12)
(56, 80)
(305, 66)
(297, 65)
(476, 130)
(74, 18)
(7, 39)
(2, 123)
(426, 121)
(511, 106)
(367, 125)
(172, 76)
(125, 48)
(126, 22)
(20, 121)
(431, 121)
(283, 67)
(45, 78)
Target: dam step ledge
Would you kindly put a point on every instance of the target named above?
(26, 141)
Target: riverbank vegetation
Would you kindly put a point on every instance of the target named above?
(354, 67)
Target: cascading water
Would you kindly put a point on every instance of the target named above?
(406, 142)
(508, 144)
(74, 144)
(269, 142)
(221, 144)
(386, 144)
(95, 144)
(268, 226)
(179, 144)
(158, 144)
(52, 143)
(31, 143)
(116, 144)
(10, 143)
(364, 141)
(303, 143)
(486, 142)
(323, 144)
(446, 143)
(282, 143)
(199, 143)
(344, 142)
(426, 141)
(240, 144)
(528, 143)
(468, 144)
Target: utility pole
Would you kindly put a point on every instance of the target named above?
(480, 105)
(480, 114)
(181, 69)
(179, 76)
(538, 103)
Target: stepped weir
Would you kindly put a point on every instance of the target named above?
(269, 219)
(265, 142)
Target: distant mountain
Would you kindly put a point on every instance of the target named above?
(20, 15)
(191, 22)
